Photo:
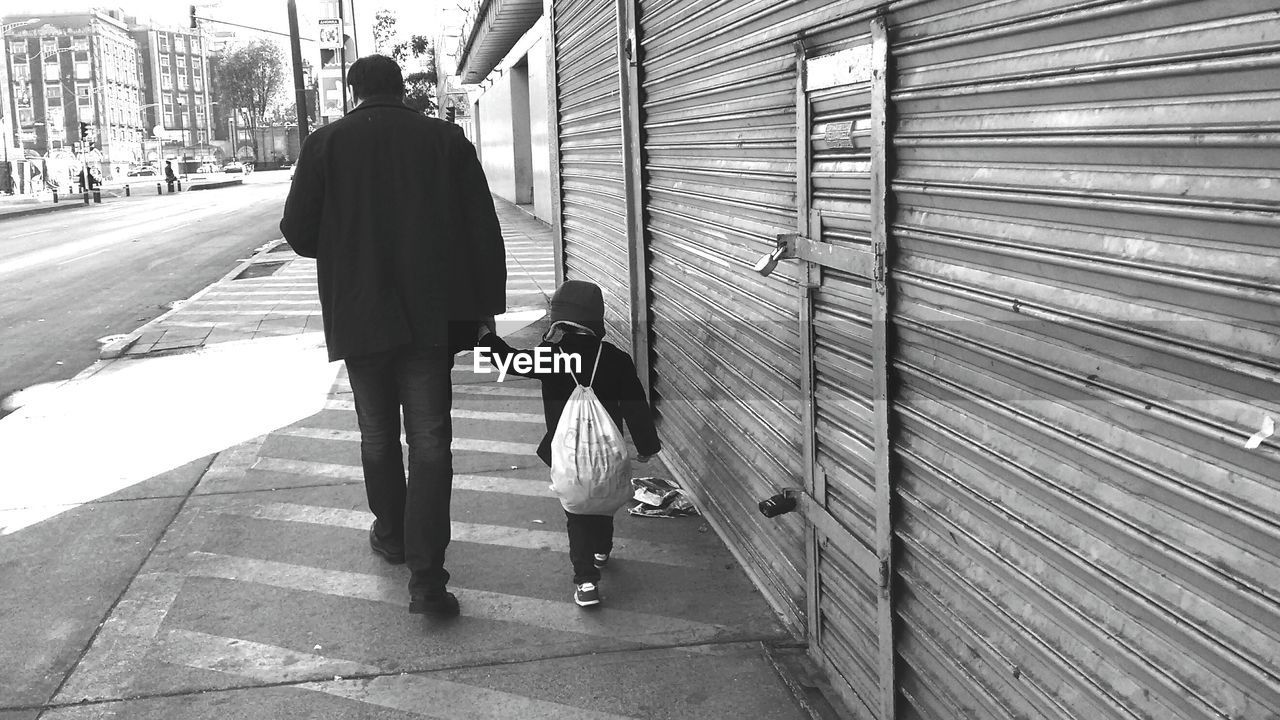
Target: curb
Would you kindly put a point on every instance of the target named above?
(211, 185)
(52, 207)
(116, 348)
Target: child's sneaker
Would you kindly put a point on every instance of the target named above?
(586, 594)
(601, 559)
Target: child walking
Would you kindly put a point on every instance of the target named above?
(577, 328)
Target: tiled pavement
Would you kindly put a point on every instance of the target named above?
(262, 599)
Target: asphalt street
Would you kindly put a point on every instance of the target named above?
(73, 277)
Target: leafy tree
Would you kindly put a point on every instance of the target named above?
(420, 91)
(420, 87)
(384, 31)
(250, 77)
(416, 46)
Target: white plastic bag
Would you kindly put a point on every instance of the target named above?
(590, 469)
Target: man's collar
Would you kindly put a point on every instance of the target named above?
(382, 101)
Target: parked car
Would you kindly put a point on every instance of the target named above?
(143, 172)
(233, 167)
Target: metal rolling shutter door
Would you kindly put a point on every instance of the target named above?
(718, 88)
(592, 181)
(1086, 312)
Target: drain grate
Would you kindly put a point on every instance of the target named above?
(260, 269)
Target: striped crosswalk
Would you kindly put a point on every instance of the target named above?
(265, 579)
(142, 638)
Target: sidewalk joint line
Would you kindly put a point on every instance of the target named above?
(84, 651)
(477, 665)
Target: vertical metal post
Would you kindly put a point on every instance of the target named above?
(812, 486)
(299, 92)
(355, 36)
(342, 55)
(880, 363)
(633, 181)
(553, 140)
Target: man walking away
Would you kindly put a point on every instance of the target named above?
(169, 177)
(396, 210)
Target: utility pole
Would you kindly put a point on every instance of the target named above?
(299, 91)
(342, 23)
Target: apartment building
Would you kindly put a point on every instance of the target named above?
(75, 68)
(174, 67)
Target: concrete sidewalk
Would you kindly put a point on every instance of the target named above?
(261, 598)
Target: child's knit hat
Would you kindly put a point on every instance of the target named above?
(579, 302)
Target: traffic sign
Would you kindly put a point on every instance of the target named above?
(330, 33)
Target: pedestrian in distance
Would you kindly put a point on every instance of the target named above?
(169, 177)
(395, 208)
(577, 331)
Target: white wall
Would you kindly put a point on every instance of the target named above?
(497, 144)
(511, 117)
(538, 130)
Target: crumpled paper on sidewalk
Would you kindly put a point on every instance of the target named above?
(660, 498)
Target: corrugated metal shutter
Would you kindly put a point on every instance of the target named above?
(718, 91)
(593, 205)
(1087, 296)
(842, 244)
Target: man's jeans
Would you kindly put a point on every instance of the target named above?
(418, 380)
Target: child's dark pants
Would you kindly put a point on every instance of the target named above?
(588, 535)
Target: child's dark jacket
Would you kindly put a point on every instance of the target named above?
(616, 386)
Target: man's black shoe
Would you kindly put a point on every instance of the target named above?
(440, 604)
(393, 554)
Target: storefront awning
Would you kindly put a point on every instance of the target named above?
(493, 29)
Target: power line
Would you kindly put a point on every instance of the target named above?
(248, 27)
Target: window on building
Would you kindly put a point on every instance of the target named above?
(182, 63)
(80, 44)
(83, 71)
(164, 43)
(52, 70)
(164, 62)
(198, 85)
(182, 83)
(48, 44)
(168, 119)
(53, 95)
(26, 116)
(21, 73)
(84, 95)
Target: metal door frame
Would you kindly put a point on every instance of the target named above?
(870, 264)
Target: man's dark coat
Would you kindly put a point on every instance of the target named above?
(396, 210)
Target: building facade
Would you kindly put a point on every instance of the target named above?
(178, 108)
(71, 69)
(989, 287)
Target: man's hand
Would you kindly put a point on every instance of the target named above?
(487, 325)
(643, 458)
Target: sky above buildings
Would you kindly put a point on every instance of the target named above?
(415, 16)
